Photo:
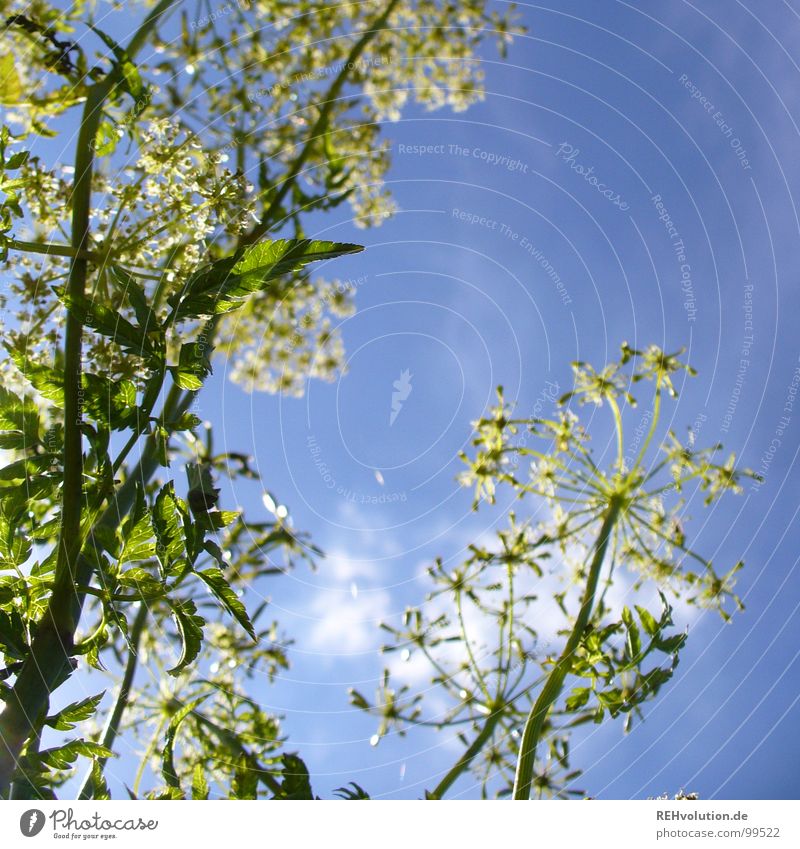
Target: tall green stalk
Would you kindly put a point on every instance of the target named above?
(49, 660)
(555, 681)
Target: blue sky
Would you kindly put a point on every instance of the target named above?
(692, 107)
(502, 266)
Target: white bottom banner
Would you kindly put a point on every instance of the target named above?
(593, 824)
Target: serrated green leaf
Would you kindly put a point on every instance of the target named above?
(140, 580)
(648, 621)
(136, 297)
(12, 635)
(130, 81)
(199, 783)
(352, 792)
(71, 715)
(10, 85)
(108, 323)
(190, 632)
(100, 791)
(188, 421)
(168, 755)
(20, 416)
(226, 284)
(578, 698)
(296, 782)
(245, 778)
(633, 640)
(46, 380)
(166, 517)
(671, 645)
(137, 532)
(214, 579)
(62, 757)
(107, 139)
(109, 402)
(194, 365)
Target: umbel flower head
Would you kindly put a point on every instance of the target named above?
(649, 486)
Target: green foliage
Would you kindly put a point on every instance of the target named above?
(603, 517)
(107, 562)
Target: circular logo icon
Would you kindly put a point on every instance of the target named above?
(31, 822)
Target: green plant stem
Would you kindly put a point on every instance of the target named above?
(51, 651)
(50, 249)
(653, 425)
(50, 658)
(111, 729)
(321, 124)
(555, 680)
(466, 759)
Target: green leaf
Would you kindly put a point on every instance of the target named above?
(202, 495)
(100, 790)
(23, 471)
(188, 421)
(166, 517)
(199, 783)
(633, 641)
(109, 402)
(70, 716)
(130, 81)
(346, 793)
(246, 778)
(136, 297)
(194, 365)
(137, 532)
(12, 635)
(296, 783)
(190, 632)
(19, 417)
(168, 755)
(671, 645)
(48, 381)
(214, 579)
(11, 90)
(648, 621)
(64, 756)
(145, 584)
(578, 698)
(107, 138)
(108, 323)
(226, 284)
